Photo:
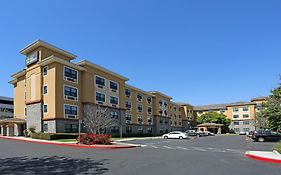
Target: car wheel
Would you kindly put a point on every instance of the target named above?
(180, 137)
(165, 137)
(261, 139)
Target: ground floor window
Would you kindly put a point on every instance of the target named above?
(140, 130)
(149, 130)
(71, 128)
(129, 129)
(114, 130)
(45, 127)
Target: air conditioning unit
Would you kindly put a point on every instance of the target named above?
(99, 102)
(113, 90)
(70, 98)
(71, 116)
(70, 79)
(149, 113)
(149, 123)
(128, 121)
(128, 96)
(113, 105)
(100, 86)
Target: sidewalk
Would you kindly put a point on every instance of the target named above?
(115, 145)
(265, 156)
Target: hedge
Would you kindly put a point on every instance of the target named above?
(54, 136)
(278, 147)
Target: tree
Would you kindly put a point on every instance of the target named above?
(97, 118)
(270, 113)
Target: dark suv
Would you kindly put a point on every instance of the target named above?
(265, 135)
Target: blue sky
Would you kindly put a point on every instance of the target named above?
(200, 52)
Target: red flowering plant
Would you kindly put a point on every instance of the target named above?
(93, 139)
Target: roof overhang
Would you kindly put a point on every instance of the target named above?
(52, 59)
(88, 63)
(19, 74)
(12, 121)
(29, 48)
(137, 89)
(159, 93)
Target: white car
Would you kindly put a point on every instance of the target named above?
(175, 135)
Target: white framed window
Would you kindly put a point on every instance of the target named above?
(149, 130)
(235, 110)
(149, 100)
(149, 121)
(114, 100)
(140, 119)
(149, 110)
(45, 90)
(45, 108)
(139, 107)
(128, 93)
(235, 116)
(100, 97)
(70, 93)
(114, 114)
(246, 115)
(113, 86)
(45, 71)
(70, 74)
(100, 82)
(25, 111)
(246, 122)
(70, 111)
(139, 96)
(245, 109)
(128, 118)
(128, 105)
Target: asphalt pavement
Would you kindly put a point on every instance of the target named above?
(216, 155)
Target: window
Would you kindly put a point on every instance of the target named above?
(70, 75)
(179, 116)
(222, 110)
(165, 104)
(139, 107)
(175, 123)
(160, 102)
(45, 109)
(245, 109)
(235, 116)
(128, 117)
(45, 71)
(149, 121)
(149, 130)
(139, 97)
(179, 123)
(45, 127)
(149, 110)
(70, 93)
(149, 100)
(100, 81)
(70, 111)
(165, 112)
(160, 112)
(246, 129)
(235, 109)
(114, 100)
(140, 130)
(129, 129)
(128, 105)
(140, 119)
(114, 114)
(113, 86)
(246, 116)
(100, 97)
(128, 93)
(71, 128)
(235, 123)
(246, 122)
(45, 89)
(25, 111)
(161, 121)
(258, 107)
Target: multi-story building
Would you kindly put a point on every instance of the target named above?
(242, 114)
(50, 92)
(6, 107)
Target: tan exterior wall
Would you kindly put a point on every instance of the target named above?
(19, 98)
(250, 112)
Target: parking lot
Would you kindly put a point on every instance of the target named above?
(207, 155)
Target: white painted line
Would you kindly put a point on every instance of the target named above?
(198, 149)
(183, 148)
(168, 147)
(153, 146)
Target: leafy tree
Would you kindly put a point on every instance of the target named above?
(213, 117)
(271, 111)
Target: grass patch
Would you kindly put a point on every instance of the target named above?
(66, 140)
(278, 147)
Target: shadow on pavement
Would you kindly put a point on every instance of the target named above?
(51, 165)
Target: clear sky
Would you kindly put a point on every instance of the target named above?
(197, 51)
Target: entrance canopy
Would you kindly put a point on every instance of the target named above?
(216, 128)
(12, 121)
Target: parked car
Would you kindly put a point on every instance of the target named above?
(175, 135)
(209, 133)
(202, 134)
(266, 135)
(242, 133)
(191, 132)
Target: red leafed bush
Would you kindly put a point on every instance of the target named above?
(93, 139)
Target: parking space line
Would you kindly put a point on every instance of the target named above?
(168, 147)
(198, 149)
(183, 148)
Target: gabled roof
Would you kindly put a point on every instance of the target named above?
(39, 43)
(88, 63)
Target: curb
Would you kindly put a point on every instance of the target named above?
(122, 146)
(263, 159)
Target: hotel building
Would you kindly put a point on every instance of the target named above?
(50, 92)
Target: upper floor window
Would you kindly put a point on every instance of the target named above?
(149, 110)
(70, 111)
(235, 116)
(45, 89)
(245, 109)
(246, 122)
(114, 114)
(139, 96)
(128, 105)
(70, 93)
(100, 81)
(45, 108)
(149, 100)
(140, 119)
(235, 123)
(149, 121)
(113, 86)
(139, 107)
(246, 116)
(70, 75)
(165, 104)
(160, 112)
(128, 93)
(100, 97)
(235, 109)
(45, 71)
(128, 117)
(160, 102)
(114, 100)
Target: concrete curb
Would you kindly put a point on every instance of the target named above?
(270, 157)
(118, 146)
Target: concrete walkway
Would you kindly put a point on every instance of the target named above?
(115, 145)
(265, 156)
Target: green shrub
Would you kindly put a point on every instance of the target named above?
(32, 129)
(278, 147)
(54, 136)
